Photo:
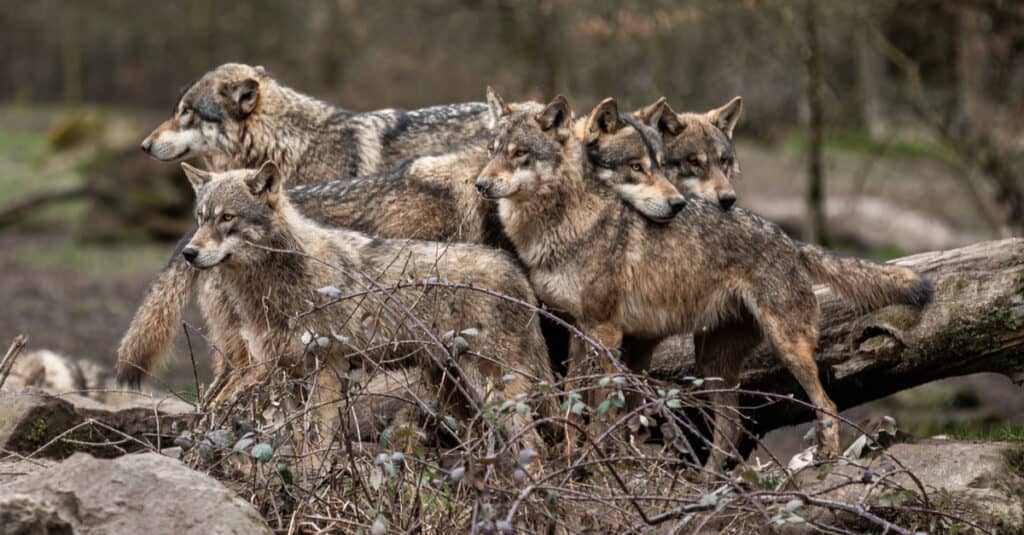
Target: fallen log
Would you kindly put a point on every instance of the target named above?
(975, 324)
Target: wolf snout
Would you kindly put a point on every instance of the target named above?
(726, 200)
(482, 185)
(676, 204)
(190, 254)
(146, 145)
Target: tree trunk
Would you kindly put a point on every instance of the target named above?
(816, 228)
(975, 324)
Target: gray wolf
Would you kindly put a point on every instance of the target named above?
(239, 116)
(430, 198)
(700, 157)
(272, 261)
(730, 276)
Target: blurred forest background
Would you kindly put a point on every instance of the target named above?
(880, 127)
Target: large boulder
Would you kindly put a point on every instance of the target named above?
(30, 420)
(980, 481)
(145, 493)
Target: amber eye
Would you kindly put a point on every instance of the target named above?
(224, 218)
(519, 153)
(636, 167)
(694, 162)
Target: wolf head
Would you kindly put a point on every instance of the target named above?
(528, 151)
(209, 114)
(700, 156)
(234, 209)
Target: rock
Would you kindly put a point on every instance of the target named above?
(984, 480)
(30, 419)
(146, 493)
(21, 514)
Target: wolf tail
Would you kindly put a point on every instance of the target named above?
(869, 285)
(152, 330)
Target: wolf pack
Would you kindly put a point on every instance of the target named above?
(550, 242)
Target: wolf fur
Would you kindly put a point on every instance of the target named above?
(729, 275)
(430, 198)
(700, 157)
(272, 260)
(239, 116)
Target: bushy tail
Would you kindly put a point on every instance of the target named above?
(867, 284)
(152, 331)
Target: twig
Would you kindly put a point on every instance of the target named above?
(12, 353)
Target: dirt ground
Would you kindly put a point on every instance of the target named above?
(78, 297)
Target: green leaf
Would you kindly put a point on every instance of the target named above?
(603, 407)
(221, 438)
(262, 452)
(674, 404)
(605, 381)
(376, 478)
(286, 473)
(452, 423)
(578, 408)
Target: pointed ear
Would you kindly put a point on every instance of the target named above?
(267, 181)
(496, 107)
(603, 119)
(726, 117)
(197, 177)
(556, 114)
(662, 117)
(241, 97)
(650, 113)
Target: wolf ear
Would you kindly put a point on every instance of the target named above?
(197, 177)
(603, 119)
(650, 113)
(241, 96)
(496, 107)
(660, 116)
(267, 181)
(556, 114)
(726, 117)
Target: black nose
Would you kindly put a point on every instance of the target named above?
(677, 204)
(146, 145)
(726, 200)
(482, 185)
(190, 253)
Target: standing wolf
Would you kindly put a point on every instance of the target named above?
(272, 261)
(238, 116)
(730, 275)
(429, 198)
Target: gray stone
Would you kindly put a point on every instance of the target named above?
(147, 493)
(30, 419)
(984, 480)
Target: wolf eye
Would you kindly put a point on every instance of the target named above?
(224, 218)
(636, 167)
(726, 161)
(519, 153)
(693, 161)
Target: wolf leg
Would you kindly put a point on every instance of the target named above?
(720, 352)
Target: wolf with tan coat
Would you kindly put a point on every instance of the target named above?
(273, 261)
(430, 198)
(729, 275)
